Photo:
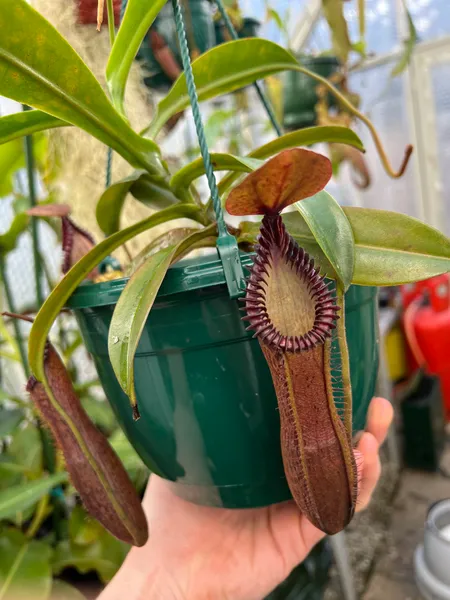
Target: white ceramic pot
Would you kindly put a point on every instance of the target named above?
(432, 558)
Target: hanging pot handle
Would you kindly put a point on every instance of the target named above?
(227, 246)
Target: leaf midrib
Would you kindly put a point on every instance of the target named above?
(204, 90)
(79, 107)
(311, 238)
(17, 498)
(14, 568)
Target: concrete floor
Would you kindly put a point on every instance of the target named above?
(393, 576)
(381, 541)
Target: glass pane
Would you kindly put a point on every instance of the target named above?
(381, 25)
(440, 76)
(431, 17)
(381, 28)
(385, 105)
(290, 12)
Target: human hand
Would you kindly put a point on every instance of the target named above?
(202, 553)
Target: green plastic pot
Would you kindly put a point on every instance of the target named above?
(209, 417)
(299, 91)
(199, 23)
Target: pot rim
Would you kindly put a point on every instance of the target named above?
(436, 510)
(187, 275)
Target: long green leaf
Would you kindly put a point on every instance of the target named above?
(220, 162)
(332, 231)
(134, 305)
(11, 159)
(9, 420)
(27, 122)
(408, 46)
(40, 68)
(62, 292)
(8, 240)
(25, 570)
(166, 239)
(390, 248)
(333, 11)
(303, 137)
(20, 497)
(141, 185)
(136, 22)
(222, 70)
(396, 249)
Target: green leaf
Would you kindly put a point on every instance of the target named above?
(7, 468)
(63, 591)
(215, 125)
(333, 11)
(362, 19)
(136, 22)
(308, 137)
(105, 556)
(41, 69)
(332, 231)
(20, 497)
(83, 529)
(395, 249)
(166, 239)
(62, 292)
(100, 413)
(24, 567)
(26, 448)
(9, 420)
(8, 241)
(275, 16)
(140, 184)
(303, 137)
(220, 162)
(11, 159)
(27, 122)
(390, 248)
(133, 308)
(222, 70)
(408, 46)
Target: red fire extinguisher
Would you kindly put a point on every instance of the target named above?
(435, 288)
(427, 326)
(87, 12)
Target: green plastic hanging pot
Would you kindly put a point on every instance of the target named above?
(200, 31)
(209, 416)
(299, 92)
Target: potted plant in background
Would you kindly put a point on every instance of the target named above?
(306, 104)
(181, 325)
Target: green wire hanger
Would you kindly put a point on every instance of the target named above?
(227, 246)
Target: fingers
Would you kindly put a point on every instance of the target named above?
(379, 418)
(369, 468)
